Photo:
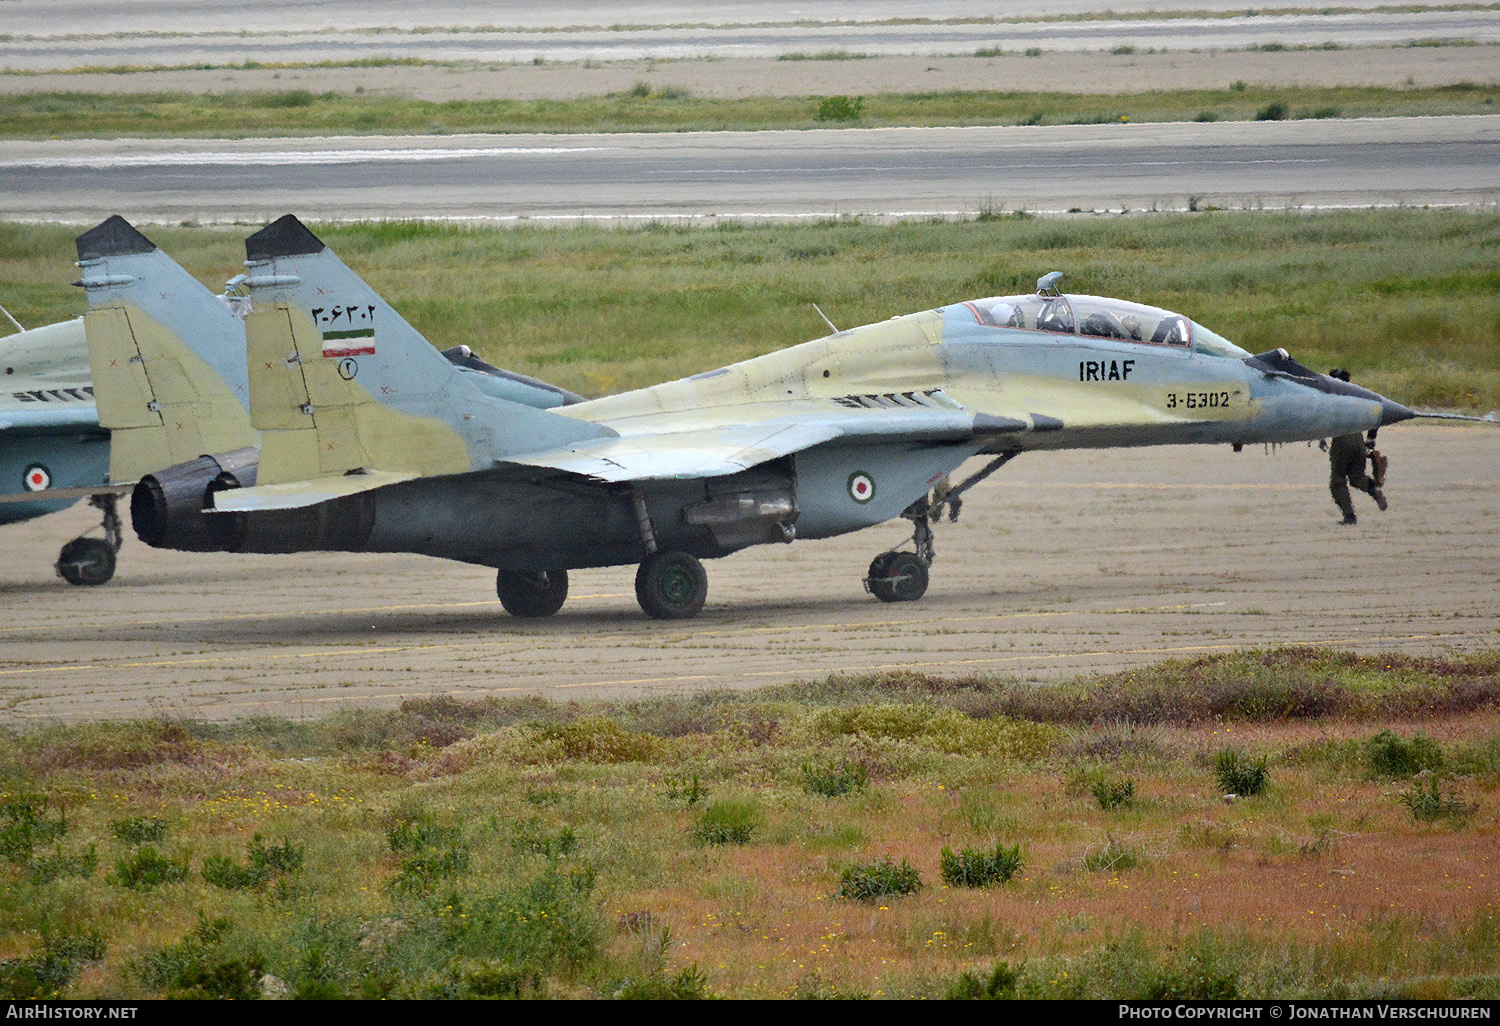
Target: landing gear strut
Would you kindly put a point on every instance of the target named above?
(668, 585)
(902, 576)
(89, 561)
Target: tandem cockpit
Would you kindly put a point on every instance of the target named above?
(1099, 317)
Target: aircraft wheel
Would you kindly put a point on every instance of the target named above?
(671, 586)
(898, 577)
(532, 593)
(86, 561)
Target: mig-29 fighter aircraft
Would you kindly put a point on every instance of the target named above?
(52, 450)
(372, 440)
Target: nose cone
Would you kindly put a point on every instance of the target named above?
(1393, 412)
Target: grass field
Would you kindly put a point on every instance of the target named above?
(648, 109)
(892, 836)
(1407, 299)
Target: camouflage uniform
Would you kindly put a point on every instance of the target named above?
(1346, 457)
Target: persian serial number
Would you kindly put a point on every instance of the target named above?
(1197, 400)
(351, 316)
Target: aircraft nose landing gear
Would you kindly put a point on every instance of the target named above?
(902, 576)
(90, 561)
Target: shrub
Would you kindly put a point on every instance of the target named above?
(726, 822)
(531, 835)
(1272, 112)
(285, 857)
(688, 985)
(1387, 754)
(978, 867)
(1111, 795)
(882, 878)
(412, 835)
(147, 868)
(835, 781)
(1238, 775)
(688, 791)
(223, 871)
(1112, 857)
(542, 797)
(24, 825)
(422, 870)
(45, 975)
(198, 967)
(593, 739)
(999, 984)
(841, 108)
(1324, 112)
(264, 862)
(48, 868)
(1428, 804)
(140, 829)
(1206, 115)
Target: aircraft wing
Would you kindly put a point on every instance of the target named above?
(295, 494)
(28, 419)
(676, 449)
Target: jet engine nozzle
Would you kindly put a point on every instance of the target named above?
(166, 508)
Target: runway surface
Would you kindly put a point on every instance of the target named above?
(908, 172)
(1063, 563)
(306, 36)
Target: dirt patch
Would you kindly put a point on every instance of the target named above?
(732, 78)
(1063, 563)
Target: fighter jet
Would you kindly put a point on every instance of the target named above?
(52, 450)
(371, 440)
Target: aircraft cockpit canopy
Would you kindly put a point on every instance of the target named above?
(1100, 317)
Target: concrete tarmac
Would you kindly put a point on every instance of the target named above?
(895, 172)
(1062, 563)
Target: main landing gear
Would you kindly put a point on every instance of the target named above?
(529, 593)
(896, 576)
(668, 585)
(89, 561)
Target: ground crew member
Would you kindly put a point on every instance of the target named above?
(1346, 458)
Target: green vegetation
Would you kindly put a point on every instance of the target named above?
(980, 867)
(1112, 794)
(726, 822)
(835, 780)
(1240, 776)
(1428, 804)
(878, 879)
(516, 847)
(1409, 300)
(1387, 754)
(644, 108)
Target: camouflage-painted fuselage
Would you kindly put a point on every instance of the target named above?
(50, 438)
(994, 388)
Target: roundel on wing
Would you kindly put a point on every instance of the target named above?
(861, 487)
(37, 478)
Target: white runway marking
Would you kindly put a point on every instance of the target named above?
(1049, 166)
(285, 157)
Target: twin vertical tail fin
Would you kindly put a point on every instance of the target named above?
(342, 386)
(167, 355)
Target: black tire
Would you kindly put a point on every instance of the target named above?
(671, 586)
(86, 561)
(532, 592)
(898, 577)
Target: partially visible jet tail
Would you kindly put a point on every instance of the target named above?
(167, 355)
(341, 385)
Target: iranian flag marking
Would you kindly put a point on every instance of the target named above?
(355, 342)
(37, 478)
